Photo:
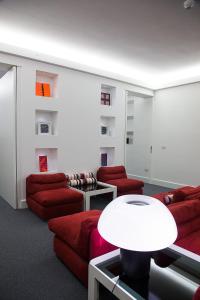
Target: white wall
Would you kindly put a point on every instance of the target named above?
(176, 136)
(7, 137)
(78, 138)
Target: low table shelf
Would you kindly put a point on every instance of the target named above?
(177, 281)
(94, 190)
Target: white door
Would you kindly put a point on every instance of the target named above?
(138, 137)
(8, 137)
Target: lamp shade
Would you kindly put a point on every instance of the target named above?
(138, 223)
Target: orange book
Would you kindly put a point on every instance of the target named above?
(39, 89)
(46, 90)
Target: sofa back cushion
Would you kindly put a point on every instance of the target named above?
(187, 217)
(105, 174)
(42, 182)
(187, 194)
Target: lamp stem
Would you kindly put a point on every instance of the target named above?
(136, 268)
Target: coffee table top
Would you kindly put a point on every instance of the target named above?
(92, 187)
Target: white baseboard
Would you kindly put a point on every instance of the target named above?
(143, 178)
(168, 184)
(22, 204)
(156, 181)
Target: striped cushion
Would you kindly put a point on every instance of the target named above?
(81, 179)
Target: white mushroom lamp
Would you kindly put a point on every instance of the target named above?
(138, 225)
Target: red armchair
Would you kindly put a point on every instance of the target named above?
(117, 176)
(48, 196)
(77, 241)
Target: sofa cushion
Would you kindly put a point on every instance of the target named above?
(124, 185)
(109, 173)
(41, 182)
(57, 197)
(75, 230)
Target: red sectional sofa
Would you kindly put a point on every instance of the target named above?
(117, 176)
(48, 196)
(77, 239)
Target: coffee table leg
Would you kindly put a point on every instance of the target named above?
(87, 202)
(115, 193)
(93, 285)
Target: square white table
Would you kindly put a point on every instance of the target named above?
(178, 281)
(94, 190)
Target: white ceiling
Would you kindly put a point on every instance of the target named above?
(156, 42)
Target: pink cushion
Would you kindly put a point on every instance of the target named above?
(56, 197)
(99, 246)
(124, 185)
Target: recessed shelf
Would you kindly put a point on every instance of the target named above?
(46, 84)
(46, 159)
(108, 94)
(46, 122)
(107, 156)
(107, 126)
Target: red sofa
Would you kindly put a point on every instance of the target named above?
(117, 176)
(77, 241)
(48, 196)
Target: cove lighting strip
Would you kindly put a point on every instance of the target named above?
(25, 43)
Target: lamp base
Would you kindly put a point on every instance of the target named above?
(136, 269)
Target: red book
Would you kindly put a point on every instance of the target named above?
(43, 163)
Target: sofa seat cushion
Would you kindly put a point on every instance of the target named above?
(57, 197)
(124, 185)
(191, 242)
(75, 230)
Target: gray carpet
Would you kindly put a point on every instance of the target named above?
(29, 269)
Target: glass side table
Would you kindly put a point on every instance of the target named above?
(93, 190)
(177, 281)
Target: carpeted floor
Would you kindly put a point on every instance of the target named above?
(29, 269)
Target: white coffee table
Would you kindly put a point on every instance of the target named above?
(94, 190)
